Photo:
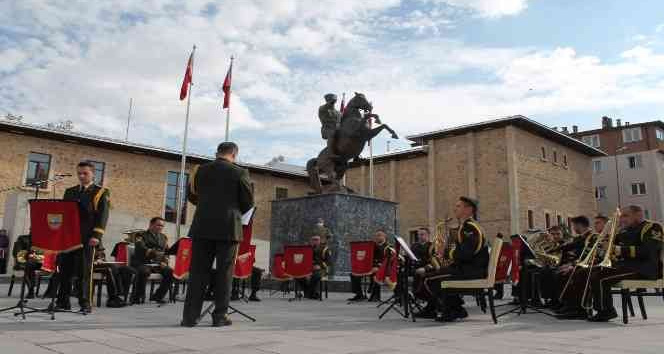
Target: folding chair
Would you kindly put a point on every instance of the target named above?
(638, 288)
(482, 287)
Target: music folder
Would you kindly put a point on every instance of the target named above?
(406, 248)
(246, 218)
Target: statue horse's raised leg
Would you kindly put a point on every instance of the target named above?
(375, 131)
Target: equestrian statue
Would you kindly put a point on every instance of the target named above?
(346, 133)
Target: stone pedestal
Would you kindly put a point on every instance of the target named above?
(349, 218)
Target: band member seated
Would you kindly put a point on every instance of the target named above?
(572, 252)
(320, 267)
(126, 272)
(381, 249)
(547, 249)
(423, 249)
(151, 252)
(469, 260)
(599, 223)
(114, 284)
(93, 205)
(636, 255)
(255, 280)
(27, 260)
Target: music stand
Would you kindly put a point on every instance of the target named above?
(402, 296)
(522, 251)
(54, 227)
(247, 231)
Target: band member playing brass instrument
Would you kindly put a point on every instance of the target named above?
(631, 252)
(28, 260)
(469, 260)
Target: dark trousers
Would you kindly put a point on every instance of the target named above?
(599, 287)
(142, 274)
(356, 285)
(118, 278)
(204, 253)
(442, 299)
(311, 284)
(75, 264)
(255, 281)
(128, 276)
(30, 269)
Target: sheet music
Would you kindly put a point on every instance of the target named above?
(246, 218)
(406, 248)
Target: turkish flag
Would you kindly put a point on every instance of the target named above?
(55, 225)
(226, 87)
(188, 76)
(361, 257)
(182, 259)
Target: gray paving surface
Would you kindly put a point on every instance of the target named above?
(314, 327)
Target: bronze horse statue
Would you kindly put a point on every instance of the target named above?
(350, 139)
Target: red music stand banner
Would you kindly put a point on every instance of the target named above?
(504, 261)
(247, 233)
(299, 261)
(279, 268)
(244, 263)
(182, 259)
(121, 252)
(361, 257)
(388, 271)
(55, 225)
(517, 245)
(48, 264)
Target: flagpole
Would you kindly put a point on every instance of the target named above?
(131, 103)
(183, 165)
(371, 162)
(228, 110)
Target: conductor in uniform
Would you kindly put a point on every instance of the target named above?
(221, 191)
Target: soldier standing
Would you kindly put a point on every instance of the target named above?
(330, 119)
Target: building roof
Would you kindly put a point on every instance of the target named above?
(135, 148)
(520, 121)
(657, 123)
(282, 166)
(393, 155)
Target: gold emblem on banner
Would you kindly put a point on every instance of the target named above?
(360, 255)
(298, 258)
(54, 221)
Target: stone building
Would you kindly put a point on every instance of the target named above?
(524, 174)
(633, 173)
(141, 178)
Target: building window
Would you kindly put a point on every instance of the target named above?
(646, 213)
(600, 192)
(559, 219)
(543, 151)
(170, 213)
(631, 135)
(531, 221)
(565, 160)
(100, 168)
(634, 162)
(555, 156)
(638, 188)
(281, 193)
(659, 133)
(547, 220)
(598, 166)
(592, 140)
(39, 166)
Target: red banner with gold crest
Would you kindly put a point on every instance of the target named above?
(182, 259)
(279, 267)
(55, 225)
(517, 246)
(299, 261)
(244, 263)
(361, 257)
(388, 271)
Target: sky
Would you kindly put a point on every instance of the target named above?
(424, 64)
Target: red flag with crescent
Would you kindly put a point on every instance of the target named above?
(299, 261)
(55, 225)
(279, 268)
(361, 257)
(182, 259)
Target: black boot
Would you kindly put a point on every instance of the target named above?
(254, 297)
(604, 316)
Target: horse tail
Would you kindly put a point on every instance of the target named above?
(314, 176)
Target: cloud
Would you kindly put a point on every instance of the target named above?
(488, 8)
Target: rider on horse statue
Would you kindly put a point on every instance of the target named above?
(330, 119)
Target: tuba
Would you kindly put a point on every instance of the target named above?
(442, 244)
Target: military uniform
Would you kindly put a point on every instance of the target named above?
(636, 256)
(150, 257)
(470, 260)
(111, 272)
(426, 259)
(28, 263)
(330, 119)
(93, 205)
(321, 259)
(221, 192)
(380, 254)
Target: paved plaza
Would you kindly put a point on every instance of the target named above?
(309, 326)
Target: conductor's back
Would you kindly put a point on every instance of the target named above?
(221, 191)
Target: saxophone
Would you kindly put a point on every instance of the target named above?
(441, 246)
